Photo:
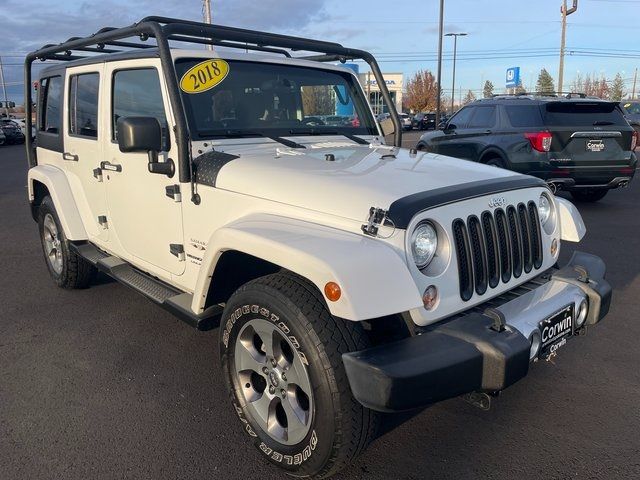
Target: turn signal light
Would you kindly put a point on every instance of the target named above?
(540, 141)
(332, 291)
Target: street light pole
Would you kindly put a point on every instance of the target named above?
(455, 48)
(4, 90)
(439, 79)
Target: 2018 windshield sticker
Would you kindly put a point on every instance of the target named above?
(204, 76)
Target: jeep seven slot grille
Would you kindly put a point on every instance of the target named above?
(497, 246)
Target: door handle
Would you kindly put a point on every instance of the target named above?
(488, 132)
(112, 167)
(69, 157)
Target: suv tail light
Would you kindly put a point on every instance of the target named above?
(634, 140)
(540, 141)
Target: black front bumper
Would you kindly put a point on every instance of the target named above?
(469, 353)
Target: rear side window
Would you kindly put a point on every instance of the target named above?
(137, 93)
(461, 118)
(583, 114)
(524, 115)
(51, 108)
(483, 117)
(83, 105)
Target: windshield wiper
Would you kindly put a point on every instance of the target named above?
(313, 131)
(602, 122)
(249, 134)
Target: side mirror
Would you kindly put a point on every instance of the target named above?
(387, 127)
(450, 127)
(144, 134)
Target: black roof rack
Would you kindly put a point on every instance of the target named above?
(157, 32)
(539, 94)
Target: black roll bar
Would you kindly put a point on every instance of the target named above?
(163, 30)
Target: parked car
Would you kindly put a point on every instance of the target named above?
(343, 277)
(11, 131)
(582, 145)
(21, 125)
(424, 121)
(3, 139)
(405, 120)
(631, 110)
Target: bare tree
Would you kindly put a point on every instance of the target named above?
(422, 92)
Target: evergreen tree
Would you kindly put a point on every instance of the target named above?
(468, 98)
(520, 89)
(617, 89)
(487, 91)
(545, 83)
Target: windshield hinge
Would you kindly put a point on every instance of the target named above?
(377, 217)
(173, 191)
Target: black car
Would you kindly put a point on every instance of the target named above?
(581, 144)
(631, 110)
(424, 121)
(11, 131)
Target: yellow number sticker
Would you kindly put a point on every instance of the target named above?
(204, 76)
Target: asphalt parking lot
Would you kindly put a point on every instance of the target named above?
(102, 384)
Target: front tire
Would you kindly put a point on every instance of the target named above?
(67, 269)
(589, 194)
(281, 355)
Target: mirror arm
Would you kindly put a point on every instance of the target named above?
(167, 168)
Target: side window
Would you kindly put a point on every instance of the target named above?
(483, 117)
(137, 93)
(51, 108)
(83, 105)
(462, 117)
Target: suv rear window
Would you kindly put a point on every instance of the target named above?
(524, 115)
(582, 114)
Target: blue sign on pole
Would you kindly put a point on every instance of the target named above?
(513, 77)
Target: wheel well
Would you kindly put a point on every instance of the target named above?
(491, 155)
(40, 191)
(233, 270)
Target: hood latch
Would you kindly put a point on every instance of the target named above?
(377, 217)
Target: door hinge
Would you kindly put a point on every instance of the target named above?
(102, 220)
(97, 174)
(177, 250)
(173, 191)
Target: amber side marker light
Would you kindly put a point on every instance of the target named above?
(332, 291)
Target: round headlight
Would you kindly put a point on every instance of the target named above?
(424, 242)
(544, 208)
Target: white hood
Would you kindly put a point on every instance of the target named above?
(360, 177)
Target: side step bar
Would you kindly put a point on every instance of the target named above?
(168, 297)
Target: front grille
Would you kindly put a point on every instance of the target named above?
(497, 247)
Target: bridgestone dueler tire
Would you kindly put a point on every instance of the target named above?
(341, 428)
(76, 272)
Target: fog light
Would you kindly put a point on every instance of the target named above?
(430, 297)
(583, 310)
(535, 345)
(554, 247)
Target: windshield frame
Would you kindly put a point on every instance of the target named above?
(358, 98)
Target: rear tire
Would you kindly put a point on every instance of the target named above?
(589, 194)
(287, 308)
(67, 269)
(497, 162)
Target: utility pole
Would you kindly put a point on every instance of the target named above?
(635, 78)
(455, 49)
(4, 90)
(439, 79)
(207, 17)
(565, 12)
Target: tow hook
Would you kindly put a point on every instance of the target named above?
(478, 399)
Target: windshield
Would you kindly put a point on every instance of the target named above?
(244, 98)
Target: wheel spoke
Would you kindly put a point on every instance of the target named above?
(297, 418)
(266, 335)
(262, 406)
(248, 359)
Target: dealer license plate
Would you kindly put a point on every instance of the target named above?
(555, 330)
(595, 145)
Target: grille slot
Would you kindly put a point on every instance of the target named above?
(497, 247)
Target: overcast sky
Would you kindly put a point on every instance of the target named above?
(601, 36)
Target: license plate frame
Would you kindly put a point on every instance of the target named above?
(553, 332)
(595, 145)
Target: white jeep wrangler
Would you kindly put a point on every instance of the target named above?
(254, 192)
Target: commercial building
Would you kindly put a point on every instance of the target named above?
(394, 83)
